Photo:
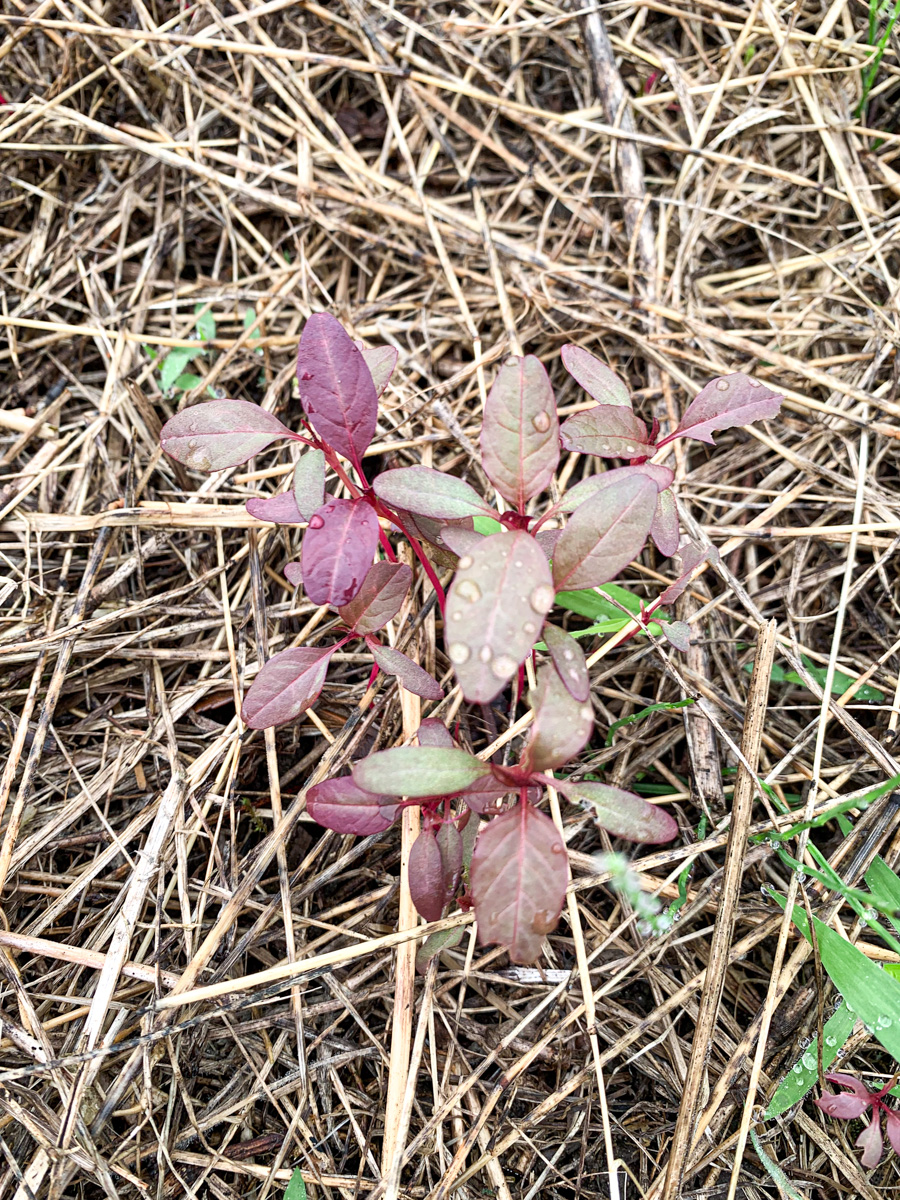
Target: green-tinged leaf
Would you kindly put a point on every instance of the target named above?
(429, 493)
(184, 383)
(805, 1071)
(667, 706)
(597, 379)
(608, 431)
(830, 814)
(444, 939)
(868, 992)
(778, 1176)
(604, 534)
(381, 361)
(597, 605)
(219, 434)
(621, 813)
(520, 431)
(175, 362)
(309, 482)
(206, 322)
(487, 525)
(569, 661)
(418, 771)
(585, 488)
(562, 725)
(296, 1188)
(885, 887)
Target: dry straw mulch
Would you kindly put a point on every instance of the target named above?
(198, 984)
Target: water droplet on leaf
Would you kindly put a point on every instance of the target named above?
(458, 652)
(723, 385)
(503, 666)
(469, 590)
(465, 562)
(485, 654)
(541, 599)
(316, 522)
(541, 422)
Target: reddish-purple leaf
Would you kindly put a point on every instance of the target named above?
(607, 431)
(856, 1086)
(381, 361)
(286, 686)
(281, 509)
(665, 529)
(461, 541)
(725, 402)
(426, 876)
(379, 599)
(432, 732)
(410, 674)
(485, 795)
(450, 845)
(691, 557)
(547, 539)
(340, 805)
(600, 383)
(293, 573)
(604, 534)
(678, 633)
(568, 658)
(518, 881)
(520, 431)
(892, 1121)
(309, 482)
(621, 813)
(338, 548)
(219, 434)
(419, 771)
(434, 531)
(562, 725)
(430, 493)
(842, 1106)
(575, 496)
(336, 388)
(495, 609)
(871, 1142)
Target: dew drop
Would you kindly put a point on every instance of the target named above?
(830, 1041)
(809, 1062)
(557, 848)
(541, 599)
(530, 627)
(457, 616)
(458, 652)
(884, 1022)
(307, 375)
(605, 446)
(629, 449)
(587, 713)
(574, 673)
(798, 1066)
(465, 562)
(316, 522)
(518, 563)
(469, 590)
(485, 654)
(503, 666)
(544, 921)
(723, 385)
(754, 383)
(541, 422)
(568, 655)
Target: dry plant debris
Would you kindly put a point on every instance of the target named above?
(201, 990)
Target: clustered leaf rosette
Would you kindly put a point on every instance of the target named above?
(496, 609)
(845, 1106)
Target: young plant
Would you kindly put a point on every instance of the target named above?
(495, 613)
(845, 1106)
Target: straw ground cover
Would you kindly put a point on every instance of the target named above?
(202, 991)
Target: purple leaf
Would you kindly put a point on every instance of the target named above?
(410, 674)
(434, 531)
(520, 432)
(426, 876)
(286, 686)
(562, 725)
(604, 534)
(665, 529)
(461, 541)
(495, 609)
(280, 509)
(871, 1142)
(568, 658)
(621, 813)
(336, 388)
(518, 881)
(379, 599)
(419, 771)
(293, 574)
(547, 539)
(725, 402)
(309, 482)
(381, 361)
(340, 805)
(432, 732)
(856, 1086)
(338, 548)
(842, 1106)
(469, 835)
(576, 496)
(691, 557)
(450, 845)
(600, 383)
(485, 794)
(678, 633)
(892, 1121)
(219, 434)
(429, 493)
(607, 431)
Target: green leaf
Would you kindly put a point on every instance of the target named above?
(805, 1072)
(840, 683)
(666, 706)
(778, 1176)
(487, 525)
(418, 771)
(885, 887)
(296, 1188)
(185, 382)
(175, 362)
(868, 992)
(206, 322)
(248, 318)
(597, 603)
